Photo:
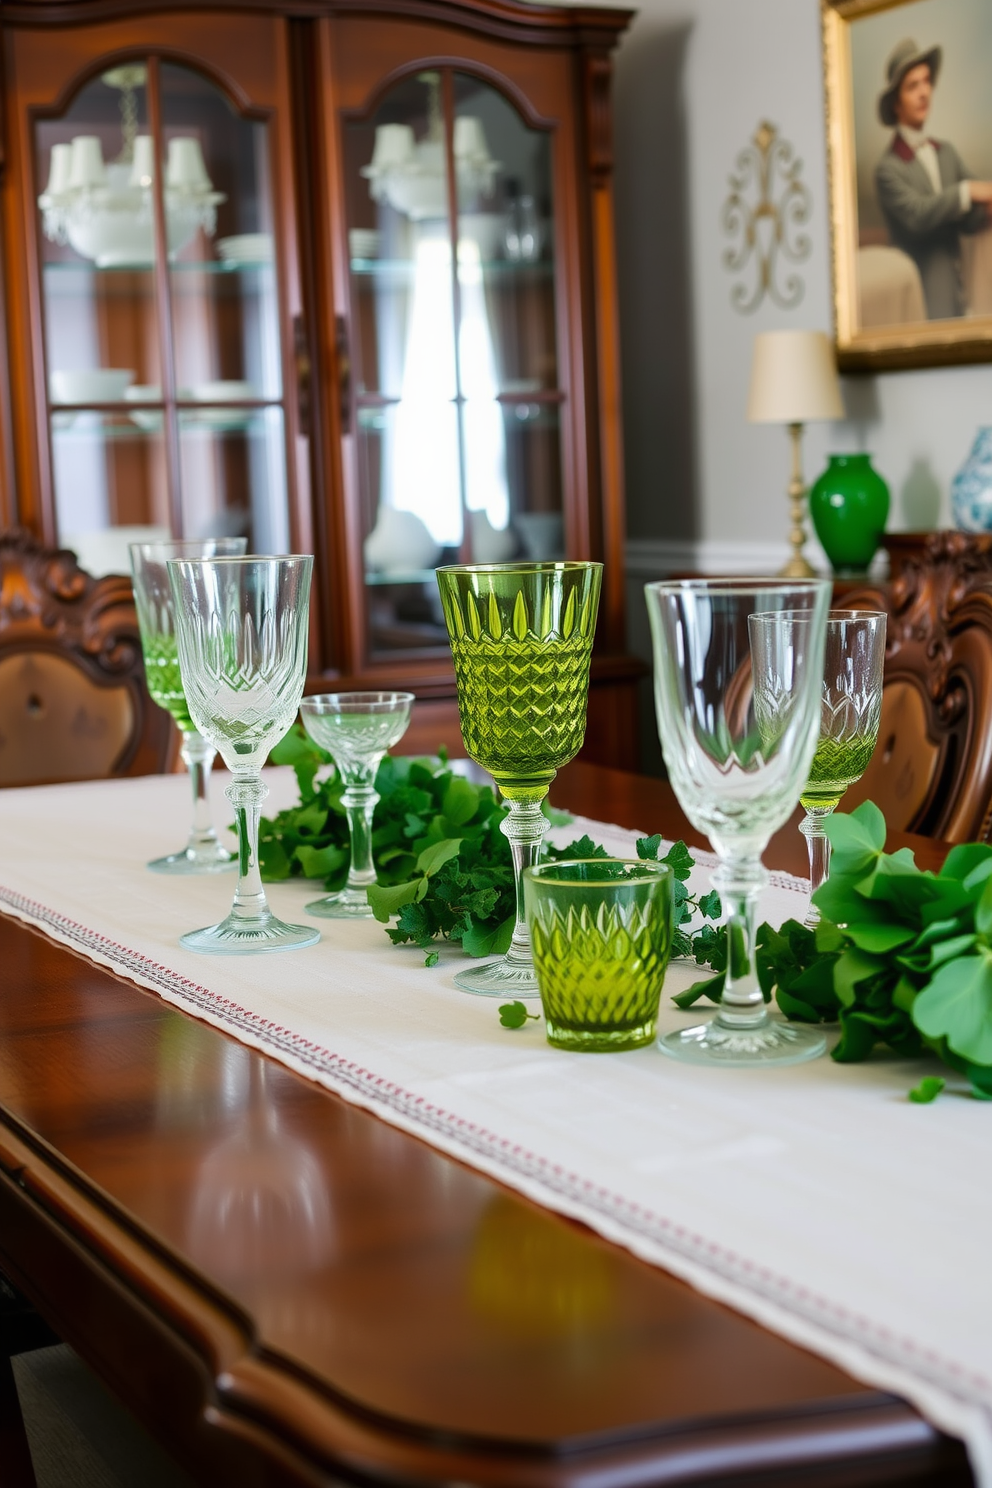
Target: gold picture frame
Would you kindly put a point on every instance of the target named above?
(890, 282)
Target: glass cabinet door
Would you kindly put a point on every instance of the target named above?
(163, 370)
(454, 343)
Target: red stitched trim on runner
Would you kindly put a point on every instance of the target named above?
(696, 1246)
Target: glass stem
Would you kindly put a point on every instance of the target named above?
(198, 757)
(246, 794)
(743, 1004)
(359, 802)
(525, 827)
(818, 844)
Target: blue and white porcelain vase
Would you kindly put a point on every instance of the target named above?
(971, 488)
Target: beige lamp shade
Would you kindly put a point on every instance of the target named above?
(793, 378)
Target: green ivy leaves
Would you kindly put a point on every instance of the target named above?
(903, 957)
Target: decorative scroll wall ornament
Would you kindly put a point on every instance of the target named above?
(767, 207)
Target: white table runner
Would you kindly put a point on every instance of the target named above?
(816, 1198)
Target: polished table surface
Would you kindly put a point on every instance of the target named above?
(287, 1290)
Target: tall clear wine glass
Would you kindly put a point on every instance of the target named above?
(737, 782)
(153, 598)
(356, 729)
(521, 639)
(850, 712)
(241, 628)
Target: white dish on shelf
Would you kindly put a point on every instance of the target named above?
(364, 242)
(247, 248)
(151, 419)
(93, 385)
(224, 390)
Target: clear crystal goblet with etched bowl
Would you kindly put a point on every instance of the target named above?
(241, 628)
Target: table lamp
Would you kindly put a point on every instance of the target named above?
(794, 380)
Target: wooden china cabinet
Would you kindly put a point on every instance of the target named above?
(336, 275)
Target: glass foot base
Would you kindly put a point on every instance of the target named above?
(601, 1040)
(499, 979)
(244, 937)
(343, 906)
(217, 860)
(771, 1042)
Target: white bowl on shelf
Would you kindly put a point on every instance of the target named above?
(253, 248)
(224, 390)
(92, 385)
(400, 543)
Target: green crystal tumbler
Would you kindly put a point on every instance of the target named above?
(601, 932)
(521, 640)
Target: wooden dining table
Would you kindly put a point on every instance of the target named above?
(285, 1289)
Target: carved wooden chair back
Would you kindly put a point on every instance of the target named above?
(932, 768)
(73, 701)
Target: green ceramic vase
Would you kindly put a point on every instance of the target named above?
(849, 504)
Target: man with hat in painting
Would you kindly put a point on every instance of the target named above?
(926, 194)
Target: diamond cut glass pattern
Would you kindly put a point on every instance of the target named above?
(521, 640)
(522, 667)
(601, 935)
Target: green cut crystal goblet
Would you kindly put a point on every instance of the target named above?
(521, 639)
(850, 713)
(241, 628)
(153, 600)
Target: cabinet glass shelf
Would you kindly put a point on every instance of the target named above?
(413, 576)
(224, 266)
(399, 269)
(129, 422)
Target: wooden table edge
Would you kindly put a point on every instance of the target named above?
(242, 1399)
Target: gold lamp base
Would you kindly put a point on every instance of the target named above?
(797, 566)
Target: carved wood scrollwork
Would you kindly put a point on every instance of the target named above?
(939, 640)
(45, 594)
(48, 603)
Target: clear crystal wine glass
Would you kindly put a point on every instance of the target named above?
(850, 711)
(356, 729)
(737, 782)
(153, 599)
(521, 639)
(241, 629)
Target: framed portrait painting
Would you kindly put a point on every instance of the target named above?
(909, 129)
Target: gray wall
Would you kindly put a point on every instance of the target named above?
(693, 79)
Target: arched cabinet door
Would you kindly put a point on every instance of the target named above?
(449, 198)
(160, 279)
(455, 198)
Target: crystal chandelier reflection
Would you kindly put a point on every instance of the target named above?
(105, 210)
(412, 175)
